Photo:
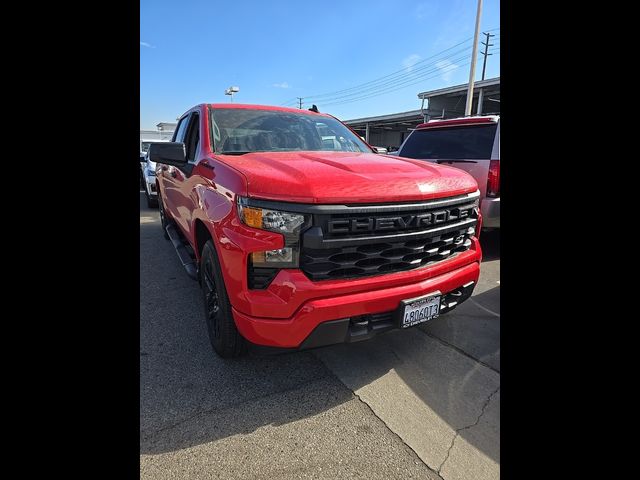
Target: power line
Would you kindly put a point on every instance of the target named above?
(414, 75)
(287, 102)
(401, 71)
(396, 73)
(444, 70)
(396, 82)
(403, 82)
(393, 80)
(377, 94)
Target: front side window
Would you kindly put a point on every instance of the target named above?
(180, 131)
(192, 137)
(469, 142)
(238, 131)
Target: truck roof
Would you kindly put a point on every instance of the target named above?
(458, 121)
(264, 107)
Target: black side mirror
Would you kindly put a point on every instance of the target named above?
(169, 153)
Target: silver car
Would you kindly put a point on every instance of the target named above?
(148, 169)
(471, 144)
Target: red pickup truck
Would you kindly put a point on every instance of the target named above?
(301, 235)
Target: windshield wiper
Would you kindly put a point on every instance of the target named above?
(235, 152)
(456, 161)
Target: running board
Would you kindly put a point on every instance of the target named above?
(188, 262)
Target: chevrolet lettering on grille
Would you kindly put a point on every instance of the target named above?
(373, 224)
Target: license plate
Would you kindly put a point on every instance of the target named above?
(419, 310)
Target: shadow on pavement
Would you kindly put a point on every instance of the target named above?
(188, 395)
(473, 327)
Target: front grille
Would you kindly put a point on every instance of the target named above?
(329, 255)
(379, 258)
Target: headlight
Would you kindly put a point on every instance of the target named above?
(289, 224)
(272, 220)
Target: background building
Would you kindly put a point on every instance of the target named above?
(164, 131)
(390, 130)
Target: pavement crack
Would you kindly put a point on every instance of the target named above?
(331, 373)
(491, 312)
(459, 350)
(466, 427)
(396, 435)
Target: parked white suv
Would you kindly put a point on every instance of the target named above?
(148, 173)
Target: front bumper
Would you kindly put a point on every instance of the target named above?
(353, 317)
(490, 209)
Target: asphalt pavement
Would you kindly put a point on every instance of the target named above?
(417, 403)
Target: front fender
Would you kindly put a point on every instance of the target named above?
(232, 239)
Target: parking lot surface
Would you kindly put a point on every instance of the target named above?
(419, 403)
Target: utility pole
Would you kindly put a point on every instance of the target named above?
(300, 101)
(484, 67)
(474, 58)
(486, 51)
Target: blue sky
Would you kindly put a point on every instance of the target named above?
(275, 51)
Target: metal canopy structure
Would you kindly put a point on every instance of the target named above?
(390, 130)
(386, 130)
(457, 89)
(450, 102)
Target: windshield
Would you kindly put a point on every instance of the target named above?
(240, 131)
(452, 143)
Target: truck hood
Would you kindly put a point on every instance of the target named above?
(345, 177)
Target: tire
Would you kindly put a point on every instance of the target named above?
(163, 216)
(223, 334)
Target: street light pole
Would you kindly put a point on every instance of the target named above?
(230, 91)
(474, 57)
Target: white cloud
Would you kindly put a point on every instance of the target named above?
(446, 69)
(148, 45)
(410, 61)
(282, 85)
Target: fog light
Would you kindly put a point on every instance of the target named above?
(280, 255)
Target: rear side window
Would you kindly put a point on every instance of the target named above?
(471, 142)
